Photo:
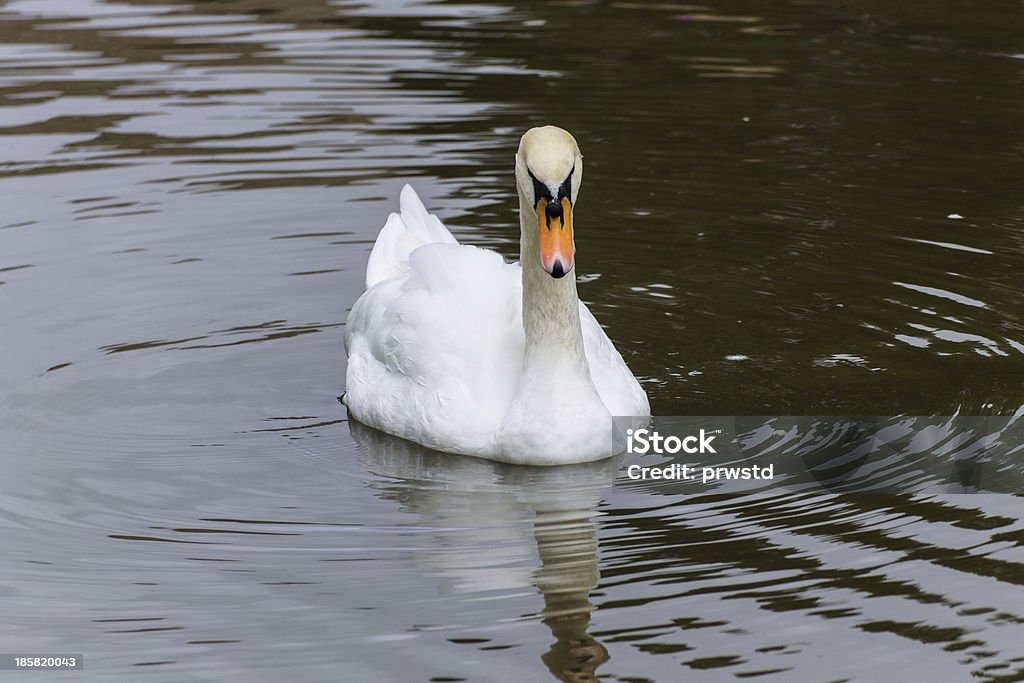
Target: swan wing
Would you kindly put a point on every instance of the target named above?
(435, 351)
(413, 226)
(616, 385)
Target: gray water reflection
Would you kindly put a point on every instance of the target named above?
(494, 516)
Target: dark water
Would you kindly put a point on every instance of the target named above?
(799, 208)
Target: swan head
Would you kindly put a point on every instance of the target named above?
(549, 168)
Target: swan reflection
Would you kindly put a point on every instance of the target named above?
(534, 524)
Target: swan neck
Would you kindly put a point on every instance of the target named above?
(551, 314)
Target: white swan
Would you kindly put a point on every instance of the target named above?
(453, 348)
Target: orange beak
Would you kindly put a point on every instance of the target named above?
(556, 247)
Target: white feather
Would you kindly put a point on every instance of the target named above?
(412, 227)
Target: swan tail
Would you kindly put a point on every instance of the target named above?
(412, 227)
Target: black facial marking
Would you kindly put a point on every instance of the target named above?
(540, 190)
(566, 189)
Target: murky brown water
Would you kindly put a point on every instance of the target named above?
(806, 208)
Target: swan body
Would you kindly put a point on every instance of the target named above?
(457, 350)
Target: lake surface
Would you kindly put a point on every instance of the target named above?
(796, 208)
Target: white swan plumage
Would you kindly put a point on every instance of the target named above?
(457, 350)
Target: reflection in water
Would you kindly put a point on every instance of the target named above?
(568, 553)
(503, 515)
